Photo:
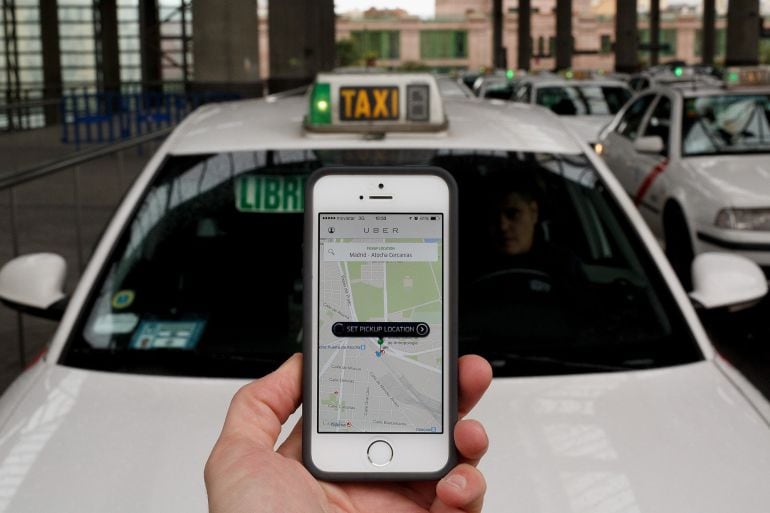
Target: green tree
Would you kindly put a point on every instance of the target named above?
(347, 53)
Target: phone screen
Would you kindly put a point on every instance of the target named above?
(380, 323)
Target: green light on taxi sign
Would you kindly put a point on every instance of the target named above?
(678, 71)
(510, 74)
(321, 105)
(275, 194)
(733, 77)
(569, 74)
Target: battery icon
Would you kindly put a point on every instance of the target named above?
(432, 218)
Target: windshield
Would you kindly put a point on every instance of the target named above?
(499, 90)
(206, 279)
(726, 124)
(583, 100)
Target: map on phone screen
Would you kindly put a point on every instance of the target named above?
(380, 323)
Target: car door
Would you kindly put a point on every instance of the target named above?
(649, 191)
(618, 151)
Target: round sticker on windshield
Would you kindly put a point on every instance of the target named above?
(122, 299)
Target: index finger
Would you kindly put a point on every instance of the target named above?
(475, 376)
(259, 409)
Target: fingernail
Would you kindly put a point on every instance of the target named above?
(456, 480)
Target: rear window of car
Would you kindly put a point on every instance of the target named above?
(206, 278)
(583, 100)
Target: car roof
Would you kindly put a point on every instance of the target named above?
(554, 80)
(692, 90)
(276, 123)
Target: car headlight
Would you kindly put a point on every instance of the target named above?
(756, 219)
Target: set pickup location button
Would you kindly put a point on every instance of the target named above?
(380, 329)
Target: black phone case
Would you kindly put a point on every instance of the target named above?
(308, 343)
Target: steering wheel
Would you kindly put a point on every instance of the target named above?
(516, 303)
(514, 279)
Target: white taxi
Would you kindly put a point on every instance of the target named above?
(607, 394)
(696, 161)
(677, 73)
(585, 102)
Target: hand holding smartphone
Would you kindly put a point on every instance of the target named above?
(380, 391)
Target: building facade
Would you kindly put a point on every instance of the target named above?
(460, 36)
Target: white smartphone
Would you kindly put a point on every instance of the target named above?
(380, 390)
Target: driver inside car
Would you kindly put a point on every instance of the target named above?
(520, 237)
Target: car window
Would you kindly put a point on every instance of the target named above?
(523, 93)
(639, 83)
(632, 119)
(726, 124)
(583, 99)
(564, 101)
(206, 278)
(659, 122)
(499, 91)
(604, 100)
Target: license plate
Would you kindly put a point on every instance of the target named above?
(369, 104)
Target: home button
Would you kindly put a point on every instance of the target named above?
(380, 453)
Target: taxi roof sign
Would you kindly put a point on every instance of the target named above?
(375, 103)
(747, 76)
(578, 74)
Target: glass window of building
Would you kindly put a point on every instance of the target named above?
(720, 47)
(21, 63)
(443, 44)
(382, 44)
(667, 41)
(605, 43)
(76, 43)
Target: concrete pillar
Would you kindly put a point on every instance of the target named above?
(108, 64)
(149, 45)
(708, 32)
(626, 37)
(226, 46)
(410, 43)
(564, 40)
(301, 41)
(49, 39)
(498, 52)
(742, 33)
(654, 32)
(525, 34)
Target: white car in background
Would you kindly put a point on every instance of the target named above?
(696, 161)
(674, 74)
(607, 396)
(585, 105)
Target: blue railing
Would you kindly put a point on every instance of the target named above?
(108, 117)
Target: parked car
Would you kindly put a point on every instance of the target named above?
(607, 395)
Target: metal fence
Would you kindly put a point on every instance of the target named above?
(108, 117)
(62, 207)
(88, 115)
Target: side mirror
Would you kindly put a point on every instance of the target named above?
(34, 284)
(726, 280)
(649, 144)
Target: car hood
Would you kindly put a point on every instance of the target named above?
(587, 128)
(741, 180)
(675, 440)
(85, 441)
